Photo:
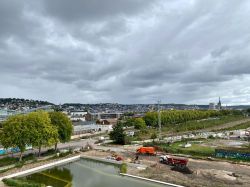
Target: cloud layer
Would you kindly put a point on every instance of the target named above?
(133, 51)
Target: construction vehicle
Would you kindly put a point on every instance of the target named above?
(174, 161)
(146, 150)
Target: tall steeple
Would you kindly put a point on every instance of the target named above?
(219, 105)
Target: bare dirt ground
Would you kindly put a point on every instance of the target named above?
(205, 173)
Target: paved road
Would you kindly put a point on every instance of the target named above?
(71, 144)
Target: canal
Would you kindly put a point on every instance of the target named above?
(86, 173)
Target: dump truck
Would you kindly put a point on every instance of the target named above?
(174, 161)
(146, 150)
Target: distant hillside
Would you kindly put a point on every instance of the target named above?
(15, 103)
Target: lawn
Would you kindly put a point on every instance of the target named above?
(240, 126)
(195, 149)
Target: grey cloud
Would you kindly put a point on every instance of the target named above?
(93, 10)
(125, 51)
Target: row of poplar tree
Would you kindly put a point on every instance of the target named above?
(181, 116)
(37, 129)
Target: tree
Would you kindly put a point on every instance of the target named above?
(16, 133)
(140, 124)
(129, 122)
(44, 133)
(118, 134)
(63, 125)
(151, 119)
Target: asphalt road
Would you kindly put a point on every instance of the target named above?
(60, 146)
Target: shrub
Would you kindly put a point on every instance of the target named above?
(21, 183)
(7, 161)
(20, 164)
(123, 168)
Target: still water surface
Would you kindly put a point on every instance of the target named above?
(87, 173)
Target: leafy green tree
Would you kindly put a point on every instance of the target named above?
(44, 133)
(140, 124)
(118, 134)
(151, 119)
(16, 133)
(63, 125)
(129, 122)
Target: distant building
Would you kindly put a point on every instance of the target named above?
(138, 115)
(77, 115)
(219, 105)
(212, 106)
(112, 121)
(99, 116)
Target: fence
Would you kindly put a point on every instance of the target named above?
(242, 154)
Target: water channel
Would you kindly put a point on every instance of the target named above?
(87, 173)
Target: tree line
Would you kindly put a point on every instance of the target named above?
(37, 129)
(181, 116)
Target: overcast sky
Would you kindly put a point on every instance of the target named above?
(126, 51)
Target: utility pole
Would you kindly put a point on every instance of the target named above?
(159, 119)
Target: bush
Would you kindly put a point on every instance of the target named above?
(153, 136)
(21, 183)
(7, 161)
(123, 168)
(20, 164)
(48, 152)
(211, 137)
(30, 156)
(128, 140)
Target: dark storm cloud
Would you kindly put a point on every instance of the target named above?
(93, 10)
(132, 51)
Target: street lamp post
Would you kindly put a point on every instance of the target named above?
(159, 119)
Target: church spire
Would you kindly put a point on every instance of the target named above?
(219, 104)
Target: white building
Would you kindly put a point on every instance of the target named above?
(77, 115)
(82, 129)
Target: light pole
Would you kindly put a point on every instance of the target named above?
(159, 119)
